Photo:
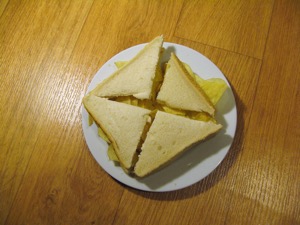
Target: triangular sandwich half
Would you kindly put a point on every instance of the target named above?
(136, 77)
(169, 136)
(123, 124)
(180, 91)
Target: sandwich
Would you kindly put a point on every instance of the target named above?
(122, 124)
(168, 137)
(149, 119)
(136, 77)
(180, 91)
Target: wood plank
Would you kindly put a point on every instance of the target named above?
(63, 183)
(31, 55)
(3, 5)
(210, 197)
(271, 157)
(238, 26)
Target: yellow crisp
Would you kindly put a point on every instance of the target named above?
(103, 135)
(90, 120)
(134, 101)
(120, 64)
(214, 88)
(123, 99)
(173, 111)
(202, 116)
(146, 104)
(111, 153)
(188, 68)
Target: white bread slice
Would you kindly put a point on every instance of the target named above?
(180, 91)
(169, 136)
(122, 123)
(136, 77)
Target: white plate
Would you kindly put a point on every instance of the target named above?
(197, 162)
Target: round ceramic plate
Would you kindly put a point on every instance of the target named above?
(197, 162)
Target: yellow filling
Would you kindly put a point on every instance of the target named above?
(103, 135)
(214, 88)
(111, 153)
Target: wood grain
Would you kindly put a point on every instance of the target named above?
(49, 52)
(272, 160)
(3, 5)
(238, 26)
(32, 56)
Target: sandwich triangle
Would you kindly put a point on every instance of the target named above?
(180, 91)
(122, 123)
(169, 136)
(135, 77)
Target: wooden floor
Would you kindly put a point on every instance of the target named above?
(50, 51)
